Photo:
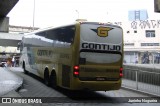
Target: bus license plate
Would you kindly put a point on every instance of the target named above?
(100, 79)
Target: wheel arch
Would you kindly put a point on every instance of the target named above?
(46, 70)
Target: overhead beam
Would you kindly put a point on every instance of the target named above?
(8, 39)
(6, 6)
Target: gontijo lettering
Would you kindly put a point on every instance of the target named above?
(45, 53)
(101, 47)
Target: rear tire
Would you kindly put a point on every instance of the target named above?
(53, 79)
(46, 77)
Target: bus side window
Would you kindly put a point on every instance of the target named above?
(64, 34)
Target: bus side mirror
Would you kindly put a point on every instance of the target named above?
(18, 46)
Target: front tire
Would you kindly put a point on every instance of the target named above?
(24, 68)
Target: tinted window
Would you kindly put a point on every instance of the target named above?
(41, 33)
(63, 34)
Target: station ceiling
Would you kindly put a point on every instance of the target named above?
(6, 6)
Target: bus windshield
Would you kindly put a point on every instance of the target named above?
(100, 43)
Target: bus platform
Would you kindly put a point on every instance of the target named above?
(142, 77)
(8, 81)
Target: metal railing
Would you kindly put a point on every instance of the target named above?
(145, 81)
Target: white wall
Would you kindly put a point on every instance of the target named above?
(140, 36)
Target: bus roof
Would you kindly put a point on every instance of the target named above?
(51, 27)
(81, 22)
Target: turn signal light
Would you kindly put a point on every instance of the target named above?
(121, 74)
(76, 71)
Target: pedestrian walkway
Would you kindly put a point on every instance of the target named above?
(8, 81)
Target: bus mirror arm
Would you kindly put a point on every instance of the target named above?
(18, 46)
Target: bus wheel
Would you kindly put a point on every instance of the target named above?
(46, 77)
(24, 68)
(53, 79)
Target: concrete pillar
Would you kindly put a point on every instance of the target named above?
(4, 24)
